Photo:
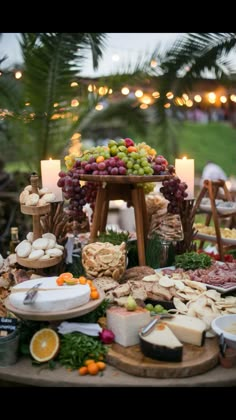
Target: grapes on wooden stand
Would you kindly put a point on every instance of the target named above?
(119, 158)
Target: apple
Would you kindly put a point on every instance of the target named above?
(129, 142)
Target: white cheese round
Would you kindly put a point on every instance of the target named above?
(57, 299)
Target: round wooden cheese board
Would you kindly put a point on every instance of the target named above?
(196, 360)
(35, 210)
(25, 262)
(56, 316)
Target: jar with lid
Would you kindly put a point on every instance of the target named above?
(14, 239)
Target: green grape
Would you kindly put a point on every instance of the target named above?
(129, 164)
(149, 307)
(158, 309)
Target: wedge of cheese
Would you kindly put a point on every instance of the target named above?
(162, 344)
(187, 329)
(126, 324)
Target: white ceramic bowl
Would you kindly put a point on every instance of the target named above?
(225, 321)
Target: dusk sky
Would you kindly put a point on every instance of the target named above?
(121, 49)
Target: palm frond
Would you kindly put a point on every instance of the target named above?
(51, 62)
(123, 114)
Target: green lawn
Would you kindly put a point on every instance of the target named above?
(213, 141)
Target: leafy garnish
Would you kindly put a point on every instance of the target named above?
(192, 261)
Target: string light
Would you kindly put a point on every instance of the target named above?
(153, 64)
(125, 90)
(169, 95)
(223, 99)
(145, 99)
(198, 98)
(74, 84)
(74, 102)
(18, 74)
(99, 107)
(156, 94)
(102, 90)
(211, 97)
(138, 93)
(143, 106)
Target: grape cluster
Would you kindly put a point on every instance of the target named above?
(77, 194)
(159, 165)
(175, 192)
(100, 166)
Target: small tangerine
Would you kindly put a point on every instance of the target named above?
(101, 365)
(94, 294)
(93, 369)
(83, 370)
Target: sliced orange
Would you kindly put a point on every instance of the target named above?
(71, 281)
(65, 276)
(44, 345)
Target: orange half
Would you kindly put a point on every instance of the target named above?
(44, 345)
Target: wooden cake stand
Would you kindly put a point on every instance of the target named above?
(127, 188)
(36, 212)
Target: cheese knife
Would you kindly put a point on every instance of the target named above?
(151, 325)
(31, 294)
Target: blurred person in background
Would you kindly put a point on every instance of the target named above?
(213, 172)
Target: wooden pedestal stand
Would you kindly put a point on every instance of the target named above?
(36, 212)
(187, 220)
(211, 188)
(122, 188)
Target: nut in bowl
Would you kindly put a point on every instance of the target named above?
(226, 325)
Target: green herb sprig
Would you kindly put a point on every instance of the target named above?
(192, 261)
(77, 347)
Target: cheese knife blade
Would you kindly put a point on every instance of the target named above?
(31, 294)
(151, 325)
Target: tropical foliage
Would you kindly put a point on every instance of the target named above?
(52, 61)
(37, 104)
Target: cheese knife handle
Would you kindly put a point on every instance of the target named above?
(149, 327)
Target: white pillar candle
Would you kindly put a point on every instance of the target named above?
(184, 169)
(49, 173)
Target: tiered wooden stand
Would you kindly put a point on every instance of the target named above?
(36, 213)
(122, 188)
(211, 189)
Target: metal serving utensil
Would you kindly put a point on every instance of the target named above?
(151, 325)
(31, 294)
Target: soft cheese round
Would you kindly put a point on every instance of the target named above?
(56, 299)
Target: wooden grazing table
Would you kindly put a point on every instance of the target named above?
(127, 188)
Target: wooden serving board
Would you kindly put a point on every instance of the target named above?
(124, 179)
(25, 262)
(34, 210)
(55, 316)
(196, 360)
